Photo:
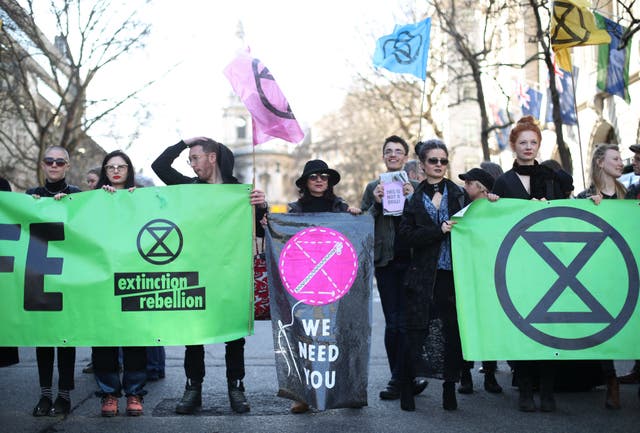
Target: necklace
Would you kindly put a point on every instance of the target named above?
(55, 192)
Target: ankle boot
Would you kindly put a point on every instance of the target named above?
(449, 396)
(490, 383)
(612, 400)
(525, 399)
(407, 401)
(237, 399)
(547, 400)
(191, 399)
(466, 383)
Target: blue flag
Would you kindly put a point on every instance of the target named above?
(530, 101)
(565, 88)
(406, 50)
(613, 63)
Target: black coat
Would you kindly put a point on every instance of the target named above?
(424, 237)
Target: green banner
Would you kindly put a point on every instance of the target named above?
(156, 266)
(548, 280)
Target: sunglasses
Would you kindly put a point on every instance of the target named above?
(59, 162)
(434, 161)
(322, 176)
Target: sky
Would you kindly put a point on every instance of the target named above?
(312, 49)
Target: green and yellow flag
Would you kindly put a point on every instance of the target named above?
(573, 24)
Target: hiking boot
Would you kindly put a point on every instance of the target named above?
(109, 406)
(466, 383)
(43, 406)
(191, 399)
(237, 399)
(134, 405)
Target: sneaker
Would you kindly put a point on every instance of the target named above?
(60, 407)
(134, 405)
(109, 406)
(237, 399)
(43, 406)
(191, 399)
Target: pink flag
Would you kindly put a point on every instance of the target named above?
(272, 117)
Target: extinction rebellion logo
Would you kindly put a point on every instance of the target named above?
(159, 242)
(562, 278)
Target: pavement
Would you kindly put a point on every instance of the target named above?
(478, 412)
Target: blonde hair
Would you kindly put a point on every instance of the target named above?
(598, 175)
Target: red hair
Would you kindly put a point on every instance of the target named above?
(526, 123)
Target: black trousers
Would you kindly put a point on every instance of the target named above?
(389, 281)
(234, 360)
(66, 363)
(444, 306)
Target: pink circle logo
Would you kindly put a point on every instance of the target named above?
(318, 266)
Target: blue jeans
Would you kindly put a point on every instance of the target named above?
(389, 279)
(106, 370)
(155, 359)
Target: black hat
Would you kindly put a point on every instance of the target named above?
(480, 175)
(635, 148)
(317, 166)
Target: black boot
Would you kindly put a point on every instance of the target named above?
(466, 383)
(547, 400)
(525, 400)
(237, 399)
(490, 383)
(391, 392)
(407, 402)
(191, 399)
(419, 385)
(449, 396)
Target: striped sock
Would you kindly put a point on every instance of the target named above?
(45, 391)
(64, 394)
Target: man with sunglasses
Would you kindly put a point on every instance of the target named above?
(391, 259)
(212, 163)
(55, 165)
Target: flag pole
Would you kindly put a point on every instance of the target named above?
(575, 107)
(424, 88)
(253, 154)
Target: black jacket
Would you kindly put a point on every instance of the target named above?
(424, 237)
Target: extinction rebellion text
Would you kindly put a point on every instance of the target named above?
(159, 291)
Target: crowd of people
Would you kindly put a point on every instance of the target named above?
(412, 259)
